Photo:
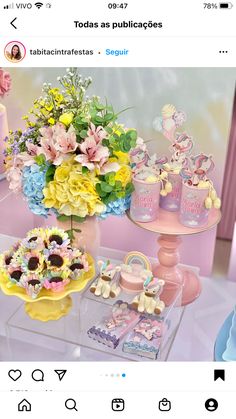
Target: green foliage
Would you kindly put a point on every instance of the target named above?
(123, 142)
(50, 173)
(110, 189)
(40, 159)
(78, 219)
(63, 218)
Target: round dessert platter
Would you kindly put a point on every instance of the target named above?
(170, 230)
(49, 305)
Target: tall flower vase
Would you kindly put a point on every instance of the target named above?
(3, 133)
(86, 234)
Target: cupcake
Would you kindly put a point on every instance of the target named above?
(56, 280)
(15, 273)
(33, 262)
(32, 284)
(57, 259)
(78, 266)
(33, 243)
(7, 258)
(57, 238)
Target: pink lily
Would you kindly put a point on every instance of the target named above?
(98, 133)
(51, 152)
(94, 155)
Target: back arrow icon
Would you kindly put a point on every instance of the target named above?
(12, 23)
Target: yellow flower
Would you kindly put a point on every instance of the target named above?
(73, 193)
(124, 175)
(62, 173)
(66, 118)
(48, 106)
(54, 91)
(51, 121)
(123, 158)
(59, 98)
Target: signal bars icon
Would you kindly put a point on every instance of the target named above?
(9, 6)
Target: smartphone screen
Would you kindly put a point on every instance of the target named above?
(117, 209)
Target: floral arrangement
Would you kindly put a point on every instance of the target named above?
(5, 82)
(43, 260)
(73, 158)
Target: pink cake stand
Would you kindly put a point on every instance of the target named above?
(169, 228)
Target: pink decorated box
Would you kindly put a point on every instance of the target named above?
(114, 326)
(145, 338)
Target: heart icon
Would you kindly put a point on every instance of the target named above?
(14, 374)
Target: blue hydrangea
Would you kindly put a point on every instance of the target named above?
(117, 207)
(33, 180)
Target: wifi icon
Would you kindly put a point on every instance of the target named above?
(38, 4)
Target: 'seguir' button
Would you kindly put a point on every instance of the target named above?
(117, 52)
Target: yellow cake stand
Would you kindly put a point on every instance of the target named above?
(49, 305)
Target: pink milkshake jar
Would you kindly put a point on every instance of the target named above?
(171, 202)
(145, 201)
(193, 212)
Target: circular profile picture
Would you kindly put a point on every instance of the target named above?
(14, 51)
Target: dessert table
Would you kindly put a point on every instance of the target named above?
(170, 230)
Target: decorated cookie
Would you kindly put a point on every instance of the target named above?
(115, 325)
(145, 338)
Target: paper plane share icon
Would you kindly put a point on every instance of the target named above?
(60, 373)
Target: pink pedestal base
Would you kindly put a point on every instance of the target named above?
(169, 270)
(169, 227)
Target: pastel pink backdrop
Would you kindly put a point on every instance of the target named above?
(226, 226)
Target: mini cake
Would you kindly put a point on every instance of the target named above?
(134, 272)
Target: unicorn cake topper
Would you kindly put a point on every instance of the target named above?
(199, 168)
(182, 147)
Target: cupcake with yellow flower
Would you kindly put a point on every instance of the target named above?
(56, 237)
(32, 283)
(56, 280)
(32, 261)
(57, 259)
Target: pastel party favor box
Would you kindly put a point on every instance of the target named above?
(145, 338)
(113, 327)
